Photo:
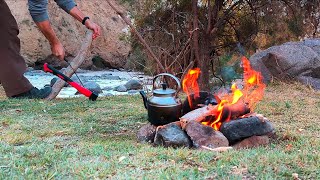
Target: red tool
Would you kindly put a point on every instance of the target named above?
(91, 95)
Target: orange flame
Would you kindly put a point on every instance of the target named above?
(238, 100)
(190, 84)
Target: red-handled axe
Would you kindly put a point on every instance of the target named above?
(91, 95)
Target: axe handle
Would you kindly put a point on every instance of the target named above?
(81, 89)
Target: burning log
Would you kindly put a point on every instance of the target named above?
(234, 111)
(199, 114)
(210, 114)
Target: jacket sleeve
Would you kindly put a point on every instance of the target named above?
(66, 5)
(38, 10)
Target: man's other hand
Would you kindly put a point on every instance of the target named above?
(94, 27)
(58, 50)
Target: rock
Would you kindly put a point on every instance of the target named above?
(121, 88)
(93, 86)
(313, 82)
(54, 80)
(202, 135)
(146, 133)
(287, 61)
(79, 70)
(109, 94)
(108, 46)
(51, 60)
(110, 77)
(172, 135)
(251, 142)
(236, 130)
(107, 88)
(133, 84)
(98, 62)
(314, 44)
(77, 80)
(133, 92)
(30, 69)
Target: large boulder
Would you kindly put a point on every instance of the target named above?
(289, 61)
(109, 46)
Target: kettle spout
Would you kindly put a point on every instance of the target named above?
(144, 97)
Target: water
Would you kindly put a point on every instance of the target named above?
(107, 80)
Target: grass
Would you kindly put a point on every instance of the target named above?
(79, 139)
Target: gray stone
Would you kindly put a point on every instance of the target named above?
(313, 82)
(109, 94)
(146, 133)
(313, 43)
(202, 135)
(172, 135)
(93, 86)
(133, 91)
(110, 77)
(121, 88)
(107, 88)
(286, 61)
(236, 130)
(54, 80)
(77, 80)
(29, 69)
(133, 84)
(252, 142)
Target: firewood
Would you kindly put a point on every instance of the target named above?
(199, 114)
(74, 65)
(219, 149)
(232, 111)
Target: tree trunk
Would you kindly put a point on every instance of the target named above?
(195, 31)
(205, 62)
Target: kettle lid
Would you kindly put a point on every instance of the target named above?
(164, 91)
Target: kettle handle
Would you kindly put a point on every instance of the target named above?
(170, 75)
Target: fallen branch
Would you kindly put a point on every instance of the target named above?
(219, 149)
(74, 65)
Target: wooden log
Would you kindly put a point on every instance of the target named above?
(74, 65)
(219, 149)
(199, 114)
(232, 111)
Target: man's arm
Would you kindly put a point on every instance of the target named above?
(38, 11)
(70, 7)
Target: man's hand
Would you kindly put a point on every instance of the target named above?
(58, 50)
(56, 47)
(94, 27)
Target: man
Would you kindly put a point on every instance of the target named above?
(12, 65)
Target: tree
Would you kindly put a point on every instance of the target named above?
(195, 33)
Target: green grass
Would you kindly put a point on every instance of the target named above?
(80, 139)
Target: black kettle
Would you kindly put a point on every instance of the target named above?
(163, 106)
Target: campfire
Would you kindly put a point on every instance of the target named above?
(216, 120)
